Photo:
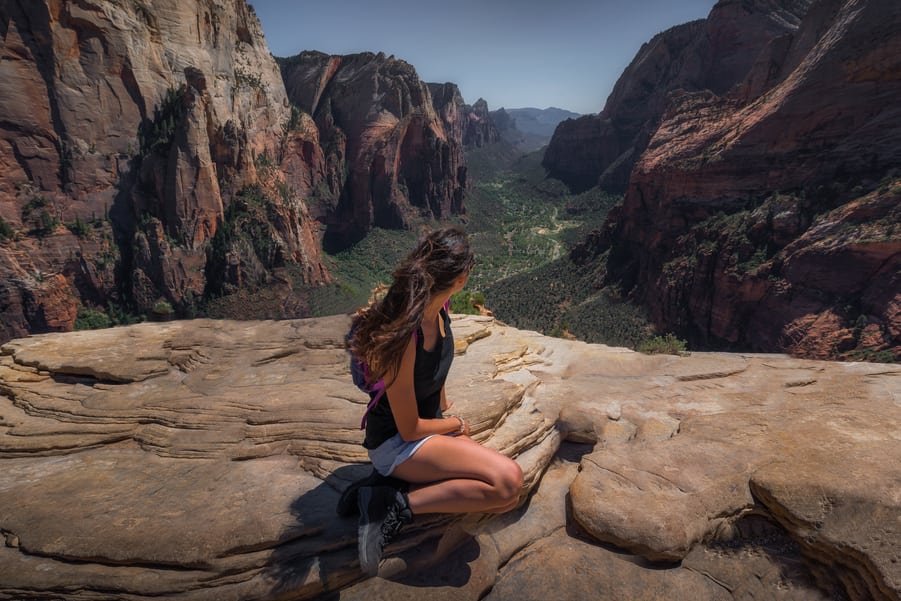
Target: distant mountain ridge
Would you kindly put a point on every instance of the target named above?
(530, 128)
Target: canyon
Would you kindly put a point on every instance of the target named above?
(761, 201)
(152, 159)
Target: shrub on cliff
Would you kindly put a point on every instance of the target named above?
(92, 319)
(663, 345)
(466, 302)
(6, 232)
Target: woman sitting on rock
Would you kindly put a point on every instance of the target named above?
(404, 339)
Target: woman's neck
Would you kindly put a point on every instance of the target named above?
(434, 307)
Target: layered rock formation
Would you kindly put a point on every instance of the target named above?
(379, 125)
(765, 215)
(714, 54)
(472, 124)
(202, 460)
(137, 126)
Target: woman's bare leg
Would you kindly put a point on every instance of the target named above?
(458, 475)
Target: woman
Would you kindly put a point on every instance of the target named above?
(405, 340)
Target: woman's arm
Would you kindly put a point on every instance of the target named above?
(402, 398)
(444, 404)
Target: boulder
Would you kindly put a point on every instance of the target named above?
(203, 460)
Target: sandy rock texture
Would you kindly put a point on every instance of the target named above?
(203, 459)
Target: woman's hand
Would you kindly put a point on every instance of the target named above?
(465, 428)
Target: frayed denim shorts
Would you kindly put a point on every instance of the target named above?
(393, 452)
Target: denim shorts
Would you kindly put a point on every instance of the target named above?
(393, 452)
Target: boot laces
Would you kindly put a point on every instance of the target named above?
(394, 521)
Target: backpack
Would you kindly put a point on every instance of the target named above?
(359, 372)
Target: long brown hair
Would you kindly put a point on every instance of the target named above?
(382, 330)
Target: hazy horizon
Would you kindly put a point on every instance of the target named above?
(523, 54)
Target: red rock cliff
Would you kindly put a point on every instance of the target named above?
(137, 125)
(766, 216)
(403, 159)
(709, 54)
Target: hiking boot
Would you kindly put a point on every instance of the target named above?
(383, 512)
(347, 502)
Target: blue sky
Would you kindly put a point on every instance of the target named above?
(541, 53)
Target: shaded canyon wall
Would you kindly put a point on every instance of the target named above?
(764, 215)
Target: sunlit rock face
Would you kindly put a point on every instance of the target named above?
(716, 54)
(764, 215)
(396, 157)
(136, 125)
(203, 460)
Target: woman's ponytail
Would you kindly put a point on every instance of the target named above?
(382, 330)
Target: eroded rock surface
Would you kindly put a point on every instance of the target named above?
(203, 459)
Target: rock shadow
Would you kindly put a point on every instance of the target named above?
(317, 556)
(317, 553)
(771, 557)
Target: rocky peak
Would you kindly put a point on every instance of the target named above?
(376, 117)
(713, 54)
(480, 127)
(470, 123)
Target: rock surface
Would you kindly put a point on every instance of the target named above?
(203, 459)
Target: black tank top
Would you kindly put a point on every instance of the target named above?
(429, 373)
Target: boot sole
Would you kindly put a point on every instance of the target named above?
(367, 545)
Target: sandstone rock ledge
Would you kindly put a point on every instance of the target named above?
(202, 460)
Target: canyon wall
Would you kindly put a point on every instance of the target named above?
(398, 157)
(709, 54)
(472, 124)
(137, 139)
(766, 215)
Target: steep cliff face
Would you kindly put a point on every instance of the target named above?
(136, 125)
(480, 129)
(711, 54)
(767, 217)
(379, 126)
(471, 124)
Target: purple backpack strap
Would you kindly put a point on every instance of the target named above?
(378, 388)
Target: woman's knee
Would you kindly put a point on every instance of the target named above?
(509, 480)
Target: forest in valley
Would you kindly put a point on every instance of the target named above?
(523, 226)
